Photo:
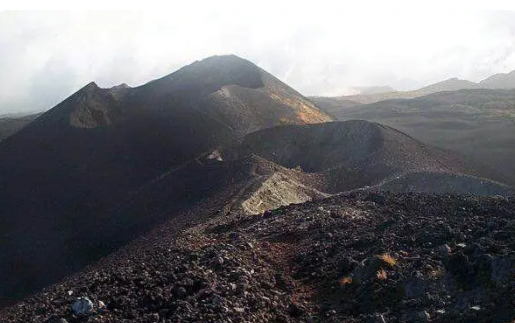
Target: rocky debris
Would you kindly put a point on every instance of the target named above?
(359, 257)
(277, 190)
(56, 320)
(101, 306)
(82, 306)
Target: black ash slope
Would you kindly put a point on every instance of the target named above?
(476, 123)
(65, 176)
(9, 125)
(356, 153)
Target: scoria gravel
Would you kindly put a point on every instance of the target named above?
(358, 257)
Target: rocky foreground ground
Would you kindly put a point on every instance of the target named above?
(359, 257)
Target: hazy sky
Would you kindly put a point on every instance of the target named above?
(46, 56)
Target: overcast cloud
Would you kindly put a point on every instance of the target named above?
(46, 56)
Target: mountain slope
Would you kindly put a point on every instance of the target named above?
(11, 125)
(65, 177)
(443, 183)
(497, 81)
(359, 257)
(353, 154)
(330, 105)
(452, 84)
(373, 89)
(236, 93)
(476, 123)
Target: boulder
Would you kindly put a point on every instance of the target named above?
(82, 306)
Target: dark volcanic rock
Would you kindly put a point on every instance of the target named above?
(382, 262)
(126, 158)
(9, 125)
(356, 153)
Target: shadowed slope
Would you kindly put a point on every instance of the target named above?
(476, 123)
(9, 125)
(64, 176)
(351, 144)
(353, 153)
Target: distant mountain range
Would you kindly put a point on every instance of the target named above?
(373, 89)
(497, 81)
(367, 94)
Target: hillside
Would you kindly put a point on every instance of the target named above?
(333, 105)
(497, 81)
(373, 89)
(354, 154)
(476, 123)
(453, 84)
(268, 169)
(359, 257)
(443, 183)
(66, 177)
(372, 98)
(10, 125)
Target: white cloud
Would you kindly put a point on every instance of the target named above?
(45, 56)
